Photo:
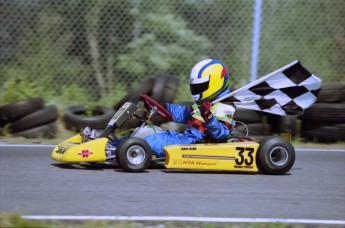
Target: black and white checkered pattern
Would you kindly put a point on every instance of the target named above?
(288, 92)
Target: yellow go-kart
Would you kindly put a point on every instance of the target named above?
(271, 155)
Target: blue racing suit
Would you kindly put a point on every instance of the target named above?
(218, 128)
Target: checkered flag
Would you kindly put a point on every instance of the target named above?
(287, 91)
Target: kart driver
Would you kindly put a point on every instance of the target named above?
(209, 80)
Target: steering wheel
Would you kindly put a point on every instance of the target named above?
(161, 111)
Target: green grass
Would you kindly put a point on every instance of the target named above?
(15, 220)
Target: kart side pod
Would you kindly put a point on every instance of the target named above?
(73, 150)
(219, 156)
(272, 155)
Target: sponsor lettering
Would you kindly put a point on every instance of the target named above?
(61, 150)
(192, 163)
(188, 148)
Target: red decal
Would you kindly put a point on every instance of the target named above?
(85, 153)
(224, 72)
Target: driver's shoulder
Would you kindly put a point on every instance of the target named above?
(223, 108)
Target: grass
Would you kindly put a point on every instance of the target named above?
(15, 220)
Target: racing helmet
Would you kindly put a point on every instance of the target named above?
(208, 79)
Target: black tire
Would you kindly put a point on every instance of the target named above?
(134, 154)
(323, 132)
(170, 90)
(44, 131)
(248, 116)
(145, 87)
(255, 129)
(331, 93)
(45, 115)
(282, 124)
(14, 111)
(275, 155)
(75, 117)
(325, 112)
(159, 86)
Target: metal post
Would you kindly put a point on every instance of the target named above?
(256, 40)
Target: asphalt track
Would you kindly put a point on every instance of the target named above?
(33, 184)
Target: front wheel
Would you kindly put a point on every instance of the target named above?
(275, 155)
(134, 154)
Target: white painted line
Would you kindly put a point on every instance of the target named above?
(184, 219)
(27, 145)
(320, 150)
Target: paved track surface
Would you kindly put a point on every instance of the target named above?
(33, 184)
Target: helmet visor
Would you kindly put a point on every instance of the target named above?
(199, 85)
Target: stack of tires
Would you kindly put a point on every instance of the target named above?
(30, 118)
(283, 124)
(325, 120)
(162, 88)
(77, 117)
(253, 120)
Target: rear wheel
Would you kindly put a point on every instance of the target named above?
(275, 155)
(134, 154)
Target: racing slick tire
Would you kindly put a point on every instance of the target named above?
(75, 117)
(14, 111)
(275, 155)
(134, 154)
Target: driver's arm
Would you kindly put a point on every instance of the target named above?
(217, 129)
(218, 122)
(180, 113)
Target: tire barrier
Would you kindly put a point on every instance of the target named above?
(162, 88)
(43, 131)
(14, 111)
(76, 117)
(145, 86)
(43, 116)
(30, 118)
(254, 123)
(283, 124)
(324, 121)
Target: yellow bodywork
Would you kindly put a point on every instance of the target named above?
(240, 156)
(73, 150)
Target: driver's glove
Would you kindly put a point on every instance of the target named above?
(205, 111)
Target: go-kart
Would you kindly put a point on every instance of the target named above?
(270, 155)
